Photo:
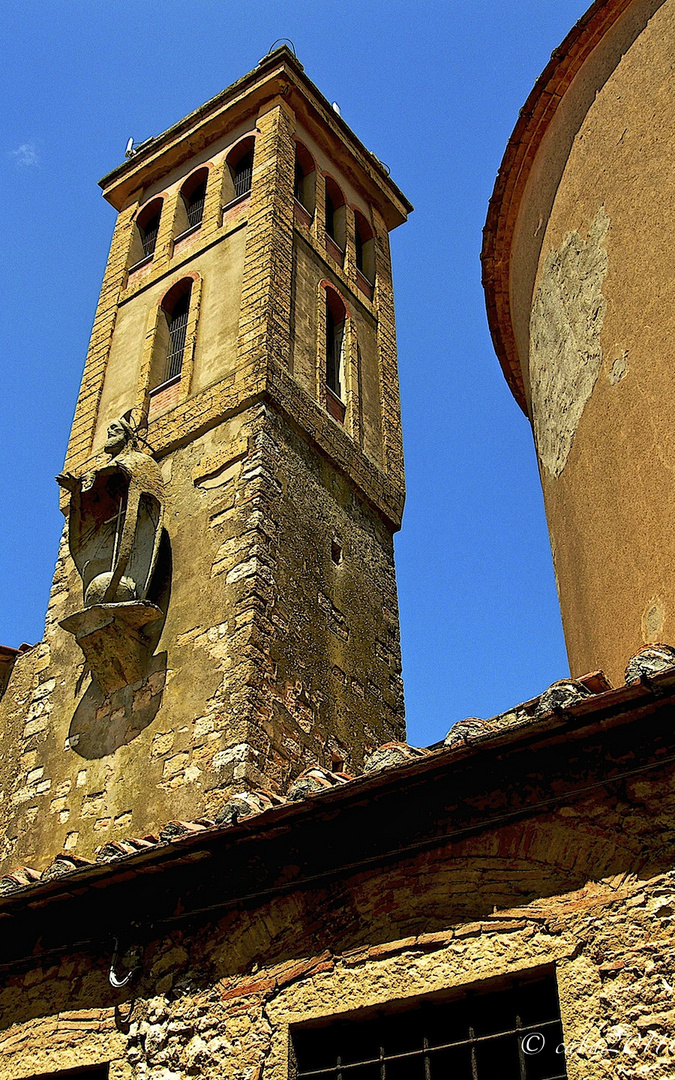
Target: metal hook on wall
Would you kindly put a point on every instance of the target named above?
(120, 981)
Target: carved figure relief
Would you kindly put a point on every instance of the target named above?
(115, 521)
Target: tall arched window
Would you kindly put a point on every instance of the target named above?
(171, 334)
(304, 185)
(335, 213)
(239, 173)
(190, 210)
(335, 334)
(145, 234)
(365, 247)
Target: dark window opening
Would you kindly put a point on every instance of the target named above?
(359, 251)
(144, 237)
(336, 552)
(509, 1034)
(335, 213)
(334, 340)
(299, 182)
(304, 180)
(178, 320)
(194, 205)
(364, 247)
(148, 231)
(243, 175)
(330, 217)
(86, 1072)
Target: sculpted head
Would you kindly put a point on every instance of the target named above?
(119, 435)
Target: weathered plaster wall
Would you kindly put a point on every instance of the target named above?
(601, 353)
(565, 351)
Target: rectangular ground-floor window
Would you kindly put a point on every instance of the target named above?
(510, 1032)
(86, 1072)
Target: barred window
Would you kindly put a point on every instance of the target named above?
(243, 175)
(178, 320)
(144, 239)
(171, 335)
(239, 172)
(191, 204)
(505, 1034)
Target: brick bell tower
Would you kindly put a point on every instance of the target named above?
(224, 609)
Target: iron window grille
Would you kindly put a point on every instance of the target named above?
(178, 321)
(149, 235)
(195, 206)
(243, 175)
(513, 1034)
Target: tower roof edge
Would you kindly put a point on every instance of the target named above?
(279, 73)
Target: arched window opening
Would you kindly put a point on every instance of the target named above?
(335, 221)
(365, 247)
(239, 172)
(177, 336)
(190, 209)
(335, 215)
(149, 233)
(335, 333)
(243, 174)
(304, 186)
(171, 334)
(145, 234)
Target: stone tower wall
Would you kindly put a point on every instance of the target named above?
(279, 646)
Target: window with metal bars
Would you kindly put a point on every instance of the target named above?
(243, 175)
(148, 231)
(177, 320)
(509, 1034)
(194, 205)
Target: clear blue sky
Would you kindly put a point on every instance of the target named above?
(434, 90)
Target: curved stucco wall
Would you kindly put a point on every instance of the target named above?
(593, 301)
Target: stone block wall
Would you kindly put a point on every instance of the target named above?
(280, 650)
(224, 1001)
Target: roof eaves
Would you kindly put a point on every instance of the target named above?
(598, 711)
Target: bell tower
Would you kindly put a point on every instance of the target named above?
(224, 610)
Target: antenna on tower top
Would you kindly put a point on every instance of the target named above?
(129, 152)
(277, 44)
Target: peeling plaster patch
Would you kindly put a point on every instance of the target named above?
(653, 618)
(619, 368)
(565, 352)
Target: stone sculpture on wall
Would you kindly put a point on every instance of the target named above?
(115, 522)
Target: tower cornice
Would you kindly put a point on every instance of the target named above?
(279, 74)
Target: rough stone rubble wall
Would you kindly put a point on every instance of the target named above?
(209, 1005)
